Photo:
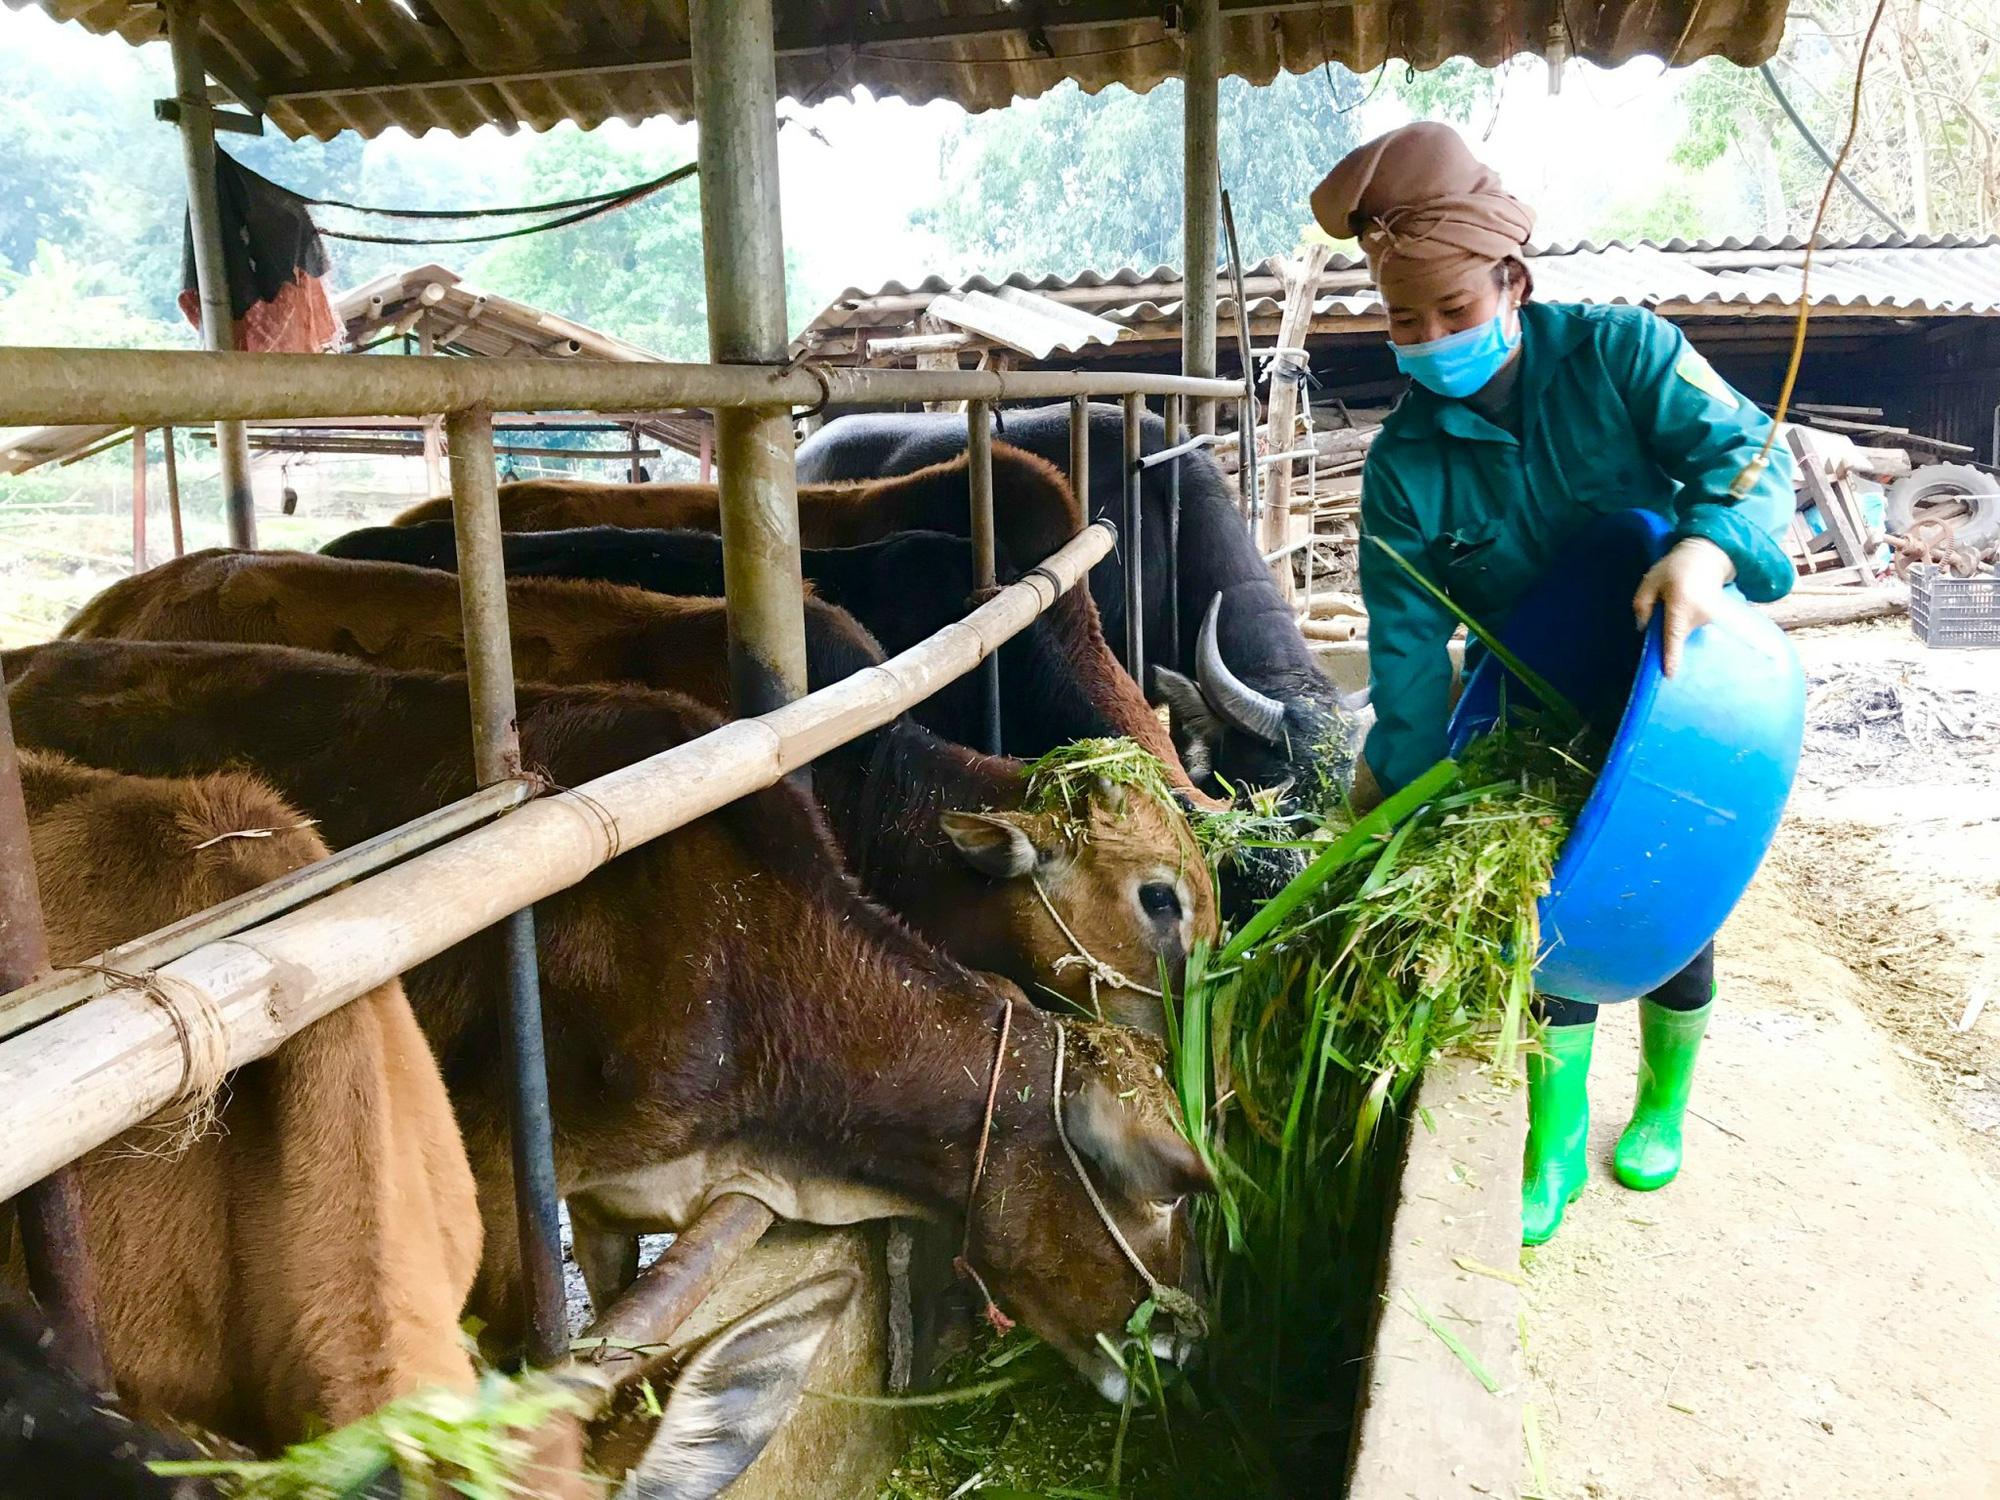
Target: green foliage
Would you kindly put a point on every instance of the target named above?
(1294, 1049)
(1073, 180)
(470, 1443)
(1454, 90)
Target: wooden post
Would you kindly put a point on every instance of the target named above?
(706, 457)
(496, 756)
(1172, 652)
(635, 474)
(1133, 542)
(51, 1211)
(173, 489)
(1275, 529)
(1201, 185)
(218, 323)
(138, 499)
(743, 254)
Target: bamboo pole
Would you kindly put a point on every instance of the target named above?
(218, 324)
(105, 387)
(78, 1080)
(172, 465)
(732, 43)
(1201, 188)
(433, 429)
(49, 1212)
(985, 571)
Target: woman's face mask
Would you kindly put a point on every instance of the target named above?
(1460, 363)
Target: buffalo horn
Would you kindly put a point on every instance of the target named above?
(1235, 702)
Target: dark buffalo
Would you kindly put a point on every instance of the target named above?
(1256, 712)
(1058, 680)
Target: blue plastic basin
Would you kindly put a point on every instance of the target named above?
(1696, 779)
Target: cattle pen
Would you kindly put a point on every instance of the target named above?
(87, 1052)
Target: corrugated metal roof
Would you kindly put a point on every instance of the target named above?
(1889, 277)
(330, 65)
(1022, 320)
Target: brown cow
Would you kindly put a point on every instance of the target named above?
(932, 828)
(308, 1258)
(724, 1012)
(1034, 510)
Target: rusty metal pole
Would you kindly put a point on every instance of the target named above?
(173, 489)
(1132, 541)
(51, 1212)
(1201, 188)
(985, 572)
(1079, 452)
(1172, 654)
(218, 323)
(138, 499)
(736, 105)
(496, 756)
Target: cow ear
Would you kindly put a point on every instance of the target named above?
(1146, 1160)
(735, 1392)
(992, 843)
(1190, 718)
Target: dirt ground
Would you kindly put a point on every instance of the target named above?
(1813, 1309)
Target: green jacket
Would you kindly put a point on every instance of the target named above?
(1616, 412)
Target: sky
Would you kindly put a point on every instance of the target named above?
(863, 166)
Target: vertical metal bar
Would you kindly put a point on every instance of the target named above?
(1172, 651)
(979, 477)
(173, 489)
(51, 1212)
(743, 254)
(1134, 542)
(496, 755)
(1079, 452)
(138, 499)
(1201, 183)
(218, 323)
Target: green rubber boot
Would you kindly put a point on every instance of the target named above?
(1649, 1151)
(1558, 1128)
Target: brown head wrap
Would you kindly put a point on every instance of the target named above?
(1430, 216)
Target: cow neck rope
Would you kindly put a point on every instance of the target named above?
(1177, 1304)
(1081, 957)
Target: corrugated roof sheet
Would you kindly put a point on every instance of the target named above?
(330, 65)
(1886, 276)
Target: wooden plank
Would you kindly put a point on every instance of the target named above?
(1833, 497)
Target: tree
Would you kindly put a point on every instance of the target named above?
(636, 272)
(1072, 180)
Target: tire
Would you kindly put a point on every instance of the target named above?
(1933, 482)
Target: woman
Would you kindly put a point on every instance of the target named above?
(1524, 422)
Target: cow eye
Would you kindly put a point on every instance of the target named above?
(1159, 900)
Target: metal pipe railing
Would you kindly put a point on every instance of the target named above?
(496, 758)
(1134, 524)
(1176, 447)
(156, 387)
(985, 572)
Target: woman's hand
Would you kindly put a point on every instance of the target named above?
(1687, 583)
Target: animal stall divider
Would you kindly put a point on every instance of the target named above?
(496, 758)
(985, 574)
(104, 1052)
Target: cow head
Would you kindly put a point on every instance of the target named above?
(1230, 732)
(1125, 877)
(1038, 1240)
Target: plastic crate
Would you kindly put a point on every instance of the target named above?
(1954, 612)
